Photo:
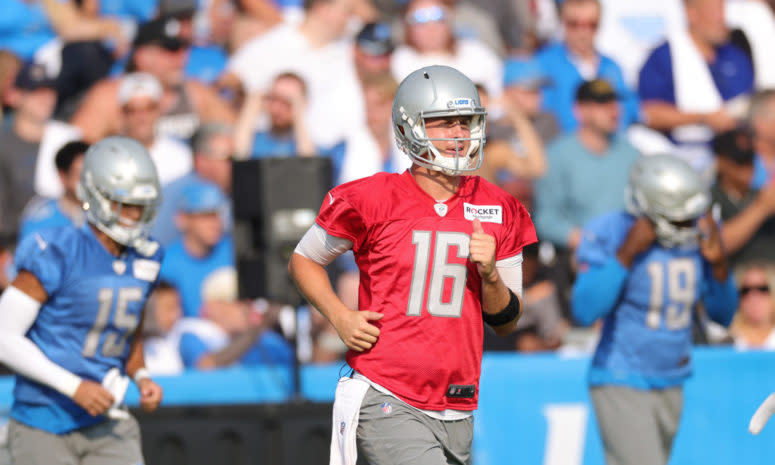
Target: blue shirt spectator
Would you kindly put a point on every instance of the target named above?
(587, 172)
(559, 63)
(203, 248)
(575, 60)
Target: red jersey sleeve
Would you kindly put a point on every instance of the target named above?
(518, 231)
(339, 217)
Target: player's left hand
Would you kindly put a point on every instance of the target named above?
(482, 252)
(150, 394)
(710, 241)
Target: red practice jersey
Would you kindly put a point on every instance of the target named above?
(412, 253)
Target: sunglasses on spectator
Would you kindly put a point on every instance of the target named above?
(426, 15)
(577, 24)
(763, 289)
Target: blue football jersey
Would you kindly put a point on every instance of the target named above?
(95, 303)
(45, 213)
(646, 338)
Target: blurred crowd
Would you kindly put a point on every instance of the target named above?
(575, 91)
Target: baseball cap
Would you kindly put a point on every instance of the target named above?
(34, 76)
(201, 197)
(139, 85)
(177, 8)
(524, 72)
(596, 90)
(375, 39)
(735, 145)
(164, 32)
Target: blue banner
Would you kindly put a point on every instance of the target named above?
(535, 409)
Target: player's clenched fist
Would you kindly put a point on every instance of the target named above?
(150, 394)
(355, 330)
(482, 252)
(93, 398)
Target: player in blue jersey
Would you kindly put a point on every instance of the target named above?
(68, 322)
(643, 272)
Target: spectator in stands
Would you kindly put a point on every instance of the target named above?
(285, 106)
(754, 324)
(207, 57)
(46, 212)
(318, 52)
(541, 326)
(696, 83)
(140, 96)
(163, 310)
(753, 31)
(761, 120)
(203, 247)
(748, 229)
(33, 99)
(157, 50)
(213, 151)
(231, 330)
(575, 60)
(372, 51)
(430, 40)
(587, 169)
(586, 177)
(514, 148)
(523, 79)
(373, 149)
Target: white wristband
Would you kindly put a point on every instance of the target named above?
(141, 374)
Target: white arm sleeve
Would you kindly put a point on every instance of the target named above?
(510, 270)
(321, 247)
(18, 312)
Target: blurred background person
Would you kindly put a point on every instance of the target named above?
(746, 213)
(696, 83)
(140, 96)
(10, 64)
(585, 177)
(46, 212)
(203, 247)
(523, 79)
(373, 149)
(33, 99)
(372, 50)
(514, 148)
(158, 50)
(754, 324)
(319, 50)
(283, 111)
(163, 310)
(213, 152)
(575, 60)
(230, 330)
(429, 39)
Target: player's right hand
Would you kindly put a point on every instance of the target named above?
(93, 398)
(355, 329)
(641, 236)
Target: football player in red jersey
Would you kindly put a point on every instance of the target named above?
(439, 255)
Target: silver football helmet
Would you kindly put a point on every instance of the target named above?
(668, 190)
(438, 91)
(119, 170)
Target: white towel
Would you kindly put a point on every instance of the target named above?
(756, 20)
(117, 385)
(347, 407)
(695, 92)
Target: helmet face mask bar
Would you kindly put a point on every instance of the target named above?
(438, 92)
(118, 171)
